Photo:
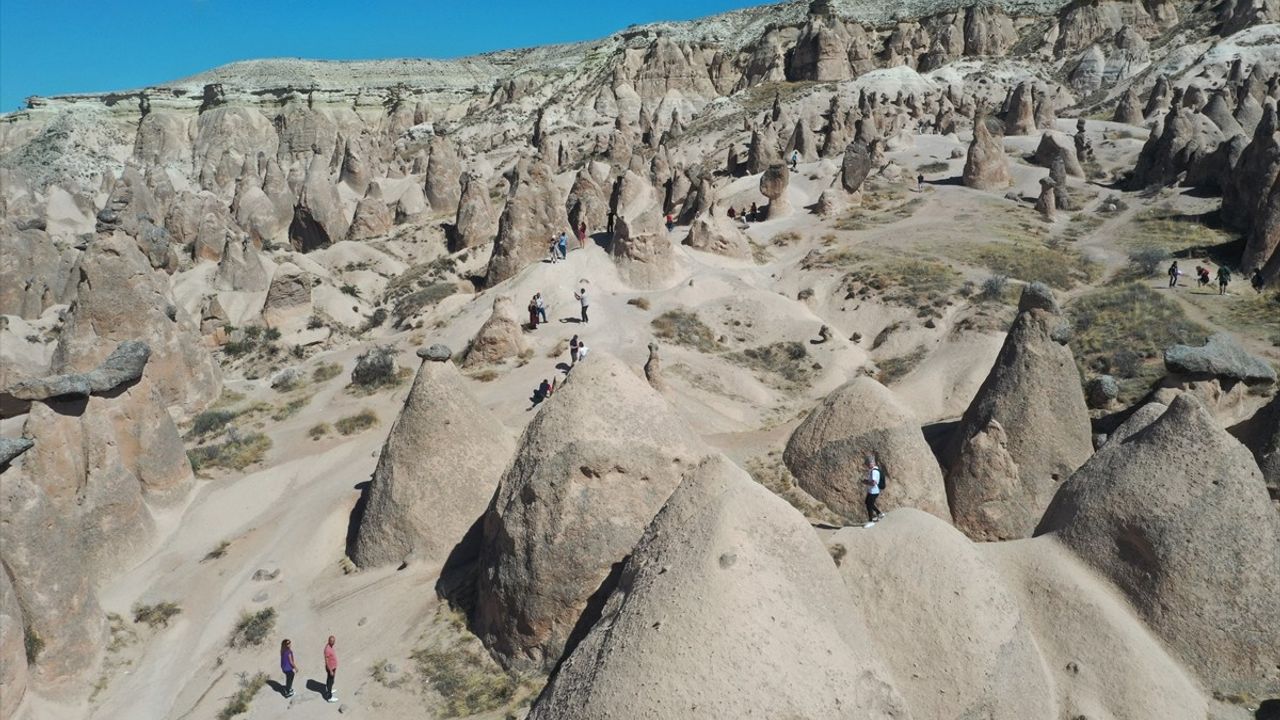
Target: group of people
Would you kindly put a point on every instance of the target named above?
(558, 247)
(577, 353)
(289, 666)
(1204, 279)
(754, 214)
(538, 308)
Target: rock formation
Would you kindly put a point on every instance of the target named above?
(855, 167)
(533, 215)
(1026, 430)
(641, 248)
(653, 369)
(288, 303)
(1019, 113)
(1220, 357)
(592, 469)
(372, 218)
(587, 203)
(474, 223)
(430, 485)
(773, 185)
(985, 167)
(499, 339)
(443, 171)
(1046, 203)
(695, 619)
(827, 451)
(1141, 516)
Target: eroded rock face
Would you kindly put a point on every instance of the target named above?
(1220, 357)
(499, 339)
(703, 591)
(533, 215)
(474, 224)
(592, 469)
(587, 203)
(641, 248)
(1141, 516)
(430, 485)
(318, 218)
(712, 231)
(1024, 433)
(826, 452)
(118, 298)
(1261, 434)
(855, 167)
(986, 167)
(443, 172)
(773, 185)
(288, 303)
(372, 218)
(13, 654)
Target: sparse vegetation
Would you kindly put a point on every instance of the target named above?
(349, 289)
(994, 287)
(1144, 262)
(769, 471)
(238, 703)
(1173, 232)
(784, 239)
(359, 422)
(484, 375)
(419, 287)
(760, 254)
(236, 453)
(325, 372)
(319, 430)
(788, 361)
(291, 408)
(936, 166)
(253, 628)
(465, 677)
(924, 284)
(1124, 329)
(682, 327)
(33, 644)
(1059, 267)
(375, 368)
(217, 552)
(156, 615)
(211, 421)
(895, 368)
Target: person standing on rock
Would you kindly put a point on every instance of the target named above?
(563, 244)
(533, 312)
(288, 666)
(1174, 273)
(330, 669)
(540, 306)
(581, 297)
(920, 182)
(1224, 277)
(795, 159)
(755, 213)
(872, 481)
(574, 344)
(554, 249)
(582, 235)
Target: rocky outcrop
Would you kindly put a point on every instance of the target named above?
(712, 231)
(1129, 109)
(695, 620)
(1026, 430)
(1055, 145)
(473, 224)
(826, 453)
(855, 167)
(986, 167)
(1261, 434)
(443, 173)
(1187, 138)
(1221, 357)
(1144, 518)
(119, 297)
(124, 365)
(1019, 113)
(587, 203)
(372, 218)
(430, 485)
(591, 470)
(763, 150)
(241, 268)
(13, 654)
(773, 185)
(288, 303)
(641, 248)
(499, 339)
(653, 369)
(318, 218)
(533, 215)
(1046, 202)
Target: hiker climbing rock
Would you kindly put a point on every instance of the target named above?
(1224, 277)
(874, 480)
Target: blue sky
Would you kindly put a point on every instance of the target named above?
(50, 47)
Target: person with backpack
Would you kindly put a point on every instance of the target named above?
(1174, 274)
(874, 480)
(1224, 277)
(541, 306)
(288, 666)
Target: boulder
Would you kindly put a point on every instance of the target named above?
(1026, 430)
(372, 218)
(11, 448)
(855, 167)
(986, 167)
(1220, 357)
(1101, 391)
(288, 303)
(591, 470)
(430, 484)
(1054, 145)
(1178, 537)
(727, 608)
(500, 338)
(970, 654)
(827, 450)
(1046, 204)
(124, 365)
(773, 185)
(436, 353)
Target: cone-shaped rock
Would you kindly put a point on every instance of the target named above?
(474, 224)
(373, 217)
(592, 469)
(499, 339)
(986, 167)
(1196, 548)
(773, 185)
(533, 215)
(443, 171)
(431, 483)
(641, 247)
(1026, 430)
(827, 451)
(727, 608)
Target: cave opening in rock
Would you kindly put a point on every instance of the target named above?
(305, 232)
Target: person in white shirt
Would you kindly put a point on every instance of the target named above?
(872, 481)
(581, 296)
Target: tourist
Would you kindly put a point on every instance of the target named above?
(671, 224)
(564, 249)
(543, 392)
(581, 297)
(574, 344)
(554, 249)
(1174, 273)
(288, 666)
(330, 669)
(582, 352)
(541, 307)
(920, 182)
(795, 159)
(1224, 277)
(533, 312)
(582, 234)
(872, 481)
(1256, 280)
(755, 213)
(732, 213)
(1202, 275)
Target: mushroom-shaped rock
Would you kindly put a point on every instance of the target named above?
(592, 469)
(728, 607)
(712, 231)
(1026, 430)
(763, 150)
(860, 418)
(499, 339)
(1045, 202)
(980, 659)
(124, 365)
(986, 167)
(1019, 115)
(1178, 541)
(773, 185)
(436, 353)
(1220, 357)
(431, 483)
(653, 369)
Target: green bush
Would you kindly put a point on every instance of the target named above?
(33, 644)
(253, 628)
(236, 453)
(467, 680)
(318, 431)
(157, 615)
(326, 371)
(238, 703)
(211, 421)
(359, 422)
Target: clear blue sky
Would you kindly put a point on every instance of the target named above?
(50, 47)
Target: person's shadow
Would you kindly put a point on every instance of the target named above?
(571, 320)
(317, 687)
(278, 687)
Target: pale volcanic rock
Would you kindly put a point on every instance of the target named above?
(499, 339)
